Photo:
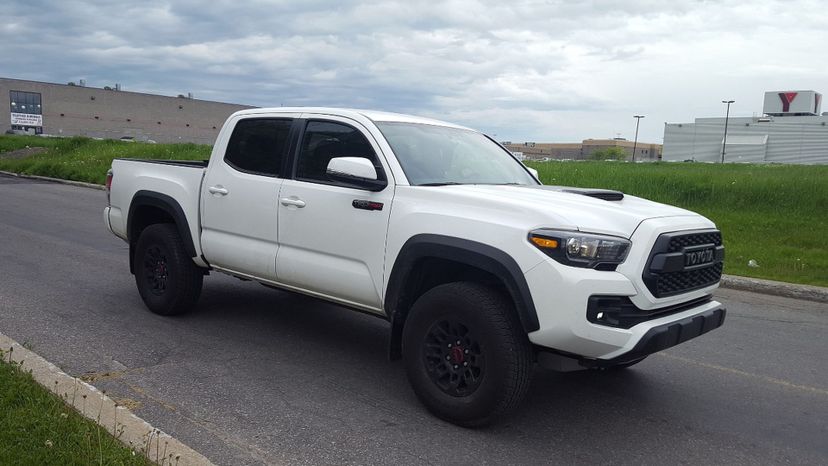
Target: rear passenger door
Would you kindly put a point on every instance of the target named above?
(329, 244)
(240, 196)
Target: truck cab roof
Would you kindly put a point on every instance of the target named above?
(373, 115)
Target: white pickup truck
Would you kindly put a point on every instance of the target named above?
(479, 268)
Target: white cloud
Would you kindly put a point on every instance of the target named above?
(534, 70)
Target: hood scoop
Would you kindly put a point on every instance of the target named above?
(605, 194)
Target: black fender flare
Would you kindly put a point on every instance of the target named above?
(464, 251)
(167, 204)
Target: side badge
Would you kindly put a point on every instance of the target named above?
(366, 205)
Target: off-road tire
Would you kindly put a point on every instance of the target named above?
(493, 341)
(167, 279)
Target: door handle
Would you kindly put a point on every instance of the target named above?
(220, 190)
(288, 201)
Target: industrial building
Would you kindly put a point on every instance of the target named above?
(109, 113)
(583, 151)
(791, 130)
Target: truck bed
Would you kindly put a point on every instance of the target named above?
(176, 180)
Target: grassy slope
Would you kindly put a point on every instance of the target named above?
(37, 427)
(84, 159)
(776, 215)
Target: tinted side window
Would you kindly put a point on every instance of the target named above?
(258, 145)
(325, 140)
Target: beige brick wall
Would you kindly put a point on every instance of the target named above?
(86, 111)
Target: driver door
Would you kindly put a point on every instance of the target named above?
(330, 245)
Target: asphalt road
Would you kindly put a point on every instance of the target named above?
(258, 376)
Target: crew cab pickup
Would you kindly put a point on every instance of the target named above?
(480, 269)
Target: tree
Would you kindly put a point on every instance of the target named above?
(610, 153)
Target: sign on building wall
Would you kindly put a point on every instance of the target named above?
(26, 119)
(792, 103)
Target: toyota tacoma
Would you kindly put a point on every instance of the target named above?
(480, 270)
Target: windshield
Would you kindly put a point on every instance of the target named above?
(437, 155)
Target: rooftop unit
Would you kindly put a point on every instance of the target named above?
(792, 103)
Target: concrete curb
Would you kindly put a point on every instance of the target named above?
(133, 431)
(55, 180)
(789, 290)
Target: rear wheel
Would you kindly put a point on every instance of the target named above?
(167, 279)
(466, 354)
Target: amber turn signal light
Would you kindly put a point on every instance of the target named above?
(545, 242)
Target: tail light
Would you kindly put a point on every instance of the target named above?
(108, 185)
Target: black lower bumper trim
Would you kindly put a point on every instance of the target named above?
(668, 335)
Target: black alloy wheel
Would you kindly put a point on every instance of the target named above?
(155, 270)
(466, 354)
(168, 280)
(453, 358)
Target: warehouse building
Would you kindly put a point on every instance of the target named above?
(583, 150)
(109, 113)
(791, 130)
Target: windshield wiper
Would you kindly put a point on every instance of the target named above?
(443, 183)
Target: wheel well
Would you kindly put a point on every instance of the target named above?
(428, 260)
(149, 208)
(427, 273)
(142, 217)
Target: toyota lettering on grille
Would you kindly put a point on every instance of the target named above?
(703, 256)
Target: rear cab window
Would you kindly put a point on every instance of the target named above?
(258, 145)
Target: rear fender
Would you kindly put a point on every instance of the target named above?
(148, 208)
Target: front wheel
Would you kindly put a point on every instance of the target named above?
(167, 279)
(466, 354)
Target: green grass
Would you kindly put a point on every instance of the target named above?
(85, 159)
(37, 427)
(776, 215)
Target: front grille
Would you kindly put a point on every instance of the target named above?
(677, 243)
(672, 283)
(666, 273)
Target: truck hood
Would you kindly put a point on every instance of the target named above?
(552, 206)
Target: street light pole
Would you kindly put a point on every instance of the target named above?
(635, 144)
(727, 117)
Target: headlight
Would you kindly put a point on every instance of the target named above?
(581, 249)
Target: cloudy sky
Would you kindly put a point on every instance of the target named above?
(534, 70)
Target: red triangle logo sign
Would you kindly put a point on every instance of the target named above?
(787, 98)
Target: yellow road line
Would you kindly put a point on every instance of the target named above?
(773, 380)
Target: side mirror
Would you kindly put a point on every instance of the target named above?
(355, 172)
(533, 172)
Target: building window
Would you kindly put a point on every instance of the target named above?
(25, 102)
(26, 111)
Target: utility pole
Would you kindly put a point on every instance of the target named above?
(635, 143)
(727, 117)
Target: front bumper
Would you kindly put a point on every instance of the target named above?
(562, 303)
(571, 325)
(666, 336)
